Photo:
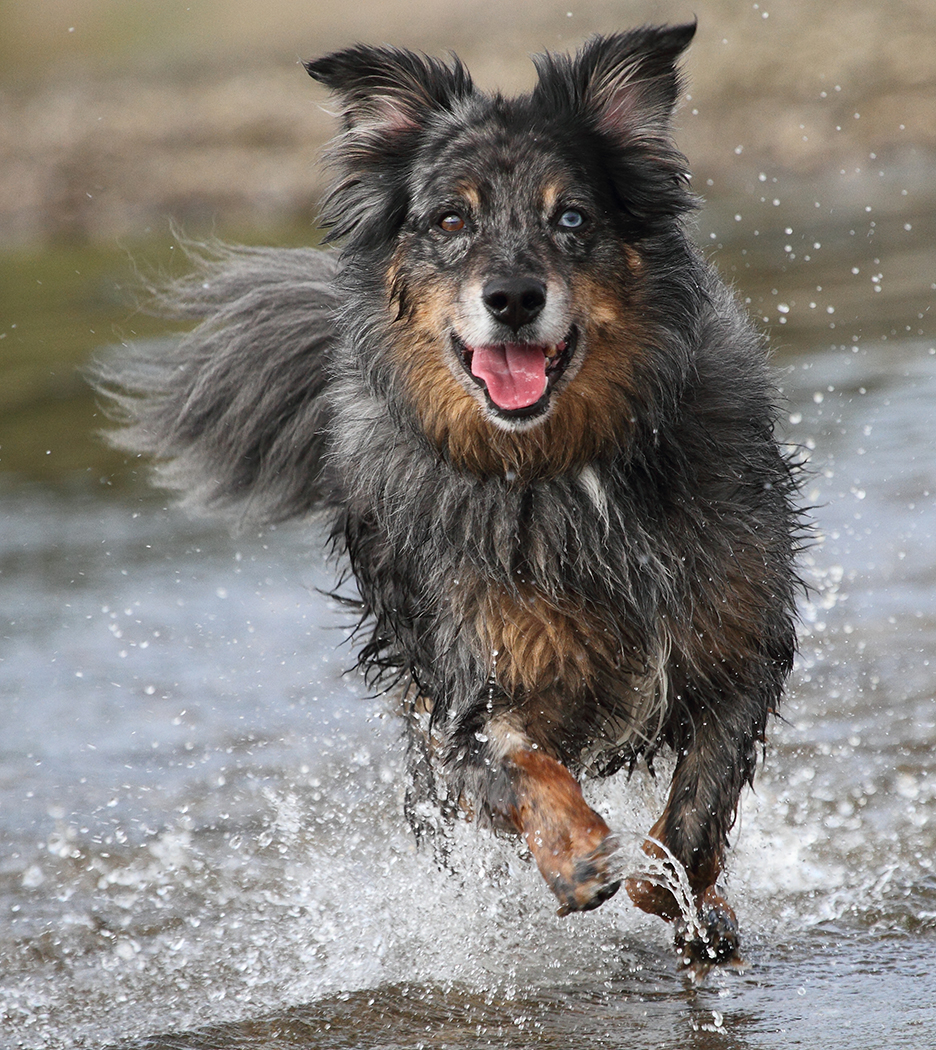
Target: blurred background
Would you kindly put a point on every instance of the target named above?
(200, 815)
(120, 117)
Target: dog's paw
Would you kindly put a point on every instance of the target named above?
(712, 940)
(572, 845)
(588, 881)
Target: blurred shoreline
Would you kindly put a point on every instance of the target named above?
(181, 122)
(810, 128)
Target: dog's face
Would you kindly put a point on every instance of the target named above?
(509, 236)
(492, 238)
(503, 261)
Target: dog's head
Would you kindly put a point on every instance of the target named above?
(515, 241)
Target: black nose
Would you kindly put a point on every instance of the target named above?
(514, 301)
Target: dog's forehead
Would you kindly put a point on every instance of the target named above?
(486, 161)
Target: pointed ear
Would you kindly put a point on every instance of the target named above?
(624, 89)
(388, 98)
(389, 90)
(627, 84)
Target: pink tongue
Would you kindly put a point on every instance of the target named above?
(514, 373)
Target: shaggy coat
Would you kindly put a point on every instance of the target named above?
(541, 429)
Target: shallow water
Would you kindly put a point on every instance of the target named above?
(203, 824)
(203, 841)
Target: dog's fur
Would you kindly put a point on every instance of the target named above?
(541, 429)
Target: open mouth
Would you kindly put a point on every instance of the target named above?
(517, 377)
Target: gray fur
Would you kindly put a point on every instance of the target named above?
(232, 413)
(287, 397)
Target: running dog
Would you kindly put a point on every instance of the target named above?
(541, 430)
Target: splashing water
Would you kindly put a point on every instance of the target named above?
(202, 817)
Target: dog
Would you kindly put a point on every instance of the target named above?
(541, 431)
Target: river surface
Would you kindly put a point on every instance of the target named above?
(201, 812)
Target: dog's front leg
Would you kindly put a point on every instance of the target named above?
(710, 936)
(570, 842)
(692, 832)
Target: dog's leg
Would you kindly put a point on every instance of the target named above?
(693, 831)
(710, 937)
(570, 842)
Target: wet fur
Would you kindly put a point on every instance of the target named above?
(609, 578)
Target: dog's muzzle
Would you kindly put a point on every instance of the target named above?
(517, 377)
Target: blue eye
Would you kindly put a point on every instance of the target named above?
(571, 219)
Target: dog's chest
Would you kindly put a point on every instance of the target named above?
(531, 642)
(566, 661)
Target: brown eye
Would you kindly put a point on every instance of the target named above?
(452, 222)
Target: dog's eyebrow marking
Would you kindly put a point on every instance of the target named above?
(591, 483)
(470, 192)
(553, 192)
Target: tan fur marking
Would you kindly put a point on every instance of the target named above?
(470, 192)
(542, 642)
(571, 844)
(553, 193)
(719, 922)
(591, 415)
(634, 259)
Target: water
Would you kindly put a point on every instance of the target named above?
(201, 815)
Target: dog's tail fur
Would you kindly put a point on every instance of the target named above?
(233, 412)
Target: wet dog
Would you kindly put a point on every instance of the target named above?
(541, 430)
